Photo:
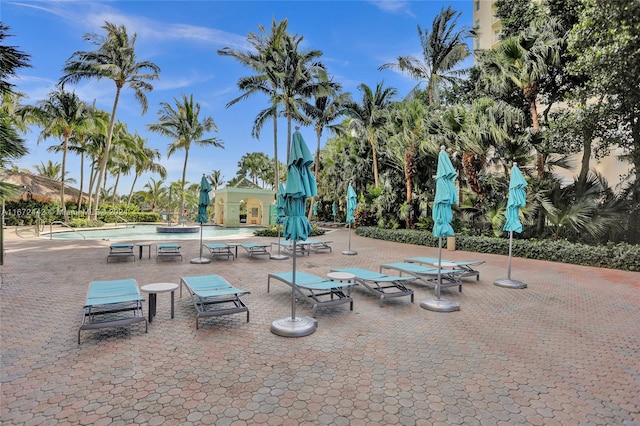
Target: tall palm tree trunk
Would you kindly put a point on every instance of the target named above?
(81, 179)
(184, 179)
(102, 173)
(65, 216)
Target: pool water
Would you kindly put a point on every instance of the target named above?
(147, 232)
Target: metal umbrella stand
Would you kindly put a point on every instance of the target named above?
(352, 200)
(279, 220)
(446, 195)
(517, 199)
(301, 184)
(203, 204)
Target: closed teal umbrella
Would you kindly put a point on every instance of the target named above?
(203, 204)
(334, 210)
(301, 184)
(517, 199)
(352, 200)
(315, 209)
(446, 195)
(280, 215)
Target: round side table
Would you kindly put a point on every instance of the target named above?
(341, 276)
(153, 290)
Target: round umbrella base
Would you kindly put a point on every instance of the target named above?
(278, 257)
(507, 283)
(200, 260)
(350, 252)
(296, 327)
(440, 305)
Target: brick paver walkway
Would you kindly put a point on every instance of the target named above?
(564, 351)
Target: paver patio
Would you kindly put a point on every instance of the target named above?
(564, 351)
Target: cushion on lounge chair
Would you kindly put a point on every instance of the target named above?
(467, 266)
(212, 295)
(385, 286)
(316, 290)
(254, 249)
(219, 250)
(426, 275)
(112, 303)
(121, 251)
(168, 250)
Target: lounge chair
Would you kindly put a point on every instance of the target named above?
(318, 245)
(219, 250)
(168, 251)
(426, 275)
(121, 251)
(213, 296)
(384, 286)
(302, 247)
(467, 266)
(113, 303)
(254, 249)
(316, 290)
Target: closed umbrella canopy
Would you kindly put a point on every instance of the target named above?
(301, 184)
(204, 201)
(315, 208)
(446, 195)
(334, 209)
(351, 204)
(280, 214)
(517, 199)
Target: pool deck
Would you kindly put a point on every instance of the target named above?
(564, 351)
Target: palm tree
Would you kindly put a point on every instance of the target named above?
(256, 165)
(524, 61)
(267, 48)
(144, 160)
(324, 111)
(407, 127)
(367, 117)
(60, 115)
(442, 51)
(49, 169)
(115, 59)
(183, 125)
(216, 179)
(155, 191)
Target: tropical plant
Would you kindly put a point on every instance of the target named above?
(367, 117)
(443, 49)
(114, 59)
(183, 125)
(59, 116)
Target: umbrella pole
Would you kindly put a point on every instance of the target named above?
(278, 256)
(293, 326)
(508, 282)
(510, 248)
(437, 304)
(200, 259)
(350, 252)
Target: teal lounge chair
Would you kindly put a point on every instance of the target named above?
(121, 251)
(319, 245)
(426, 275)
(316, 290)
(384, 286)
(113, 303)
(219, 250)
(213, 296)
(168, 251)
(467, 266)
(254, 249)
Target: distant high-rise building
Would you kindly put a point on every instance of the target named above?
(488, 25)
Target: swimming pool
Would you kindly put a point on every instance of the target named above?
(146, 232)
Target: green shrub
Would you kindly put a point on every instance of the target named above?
(272, 231)
(617, 256)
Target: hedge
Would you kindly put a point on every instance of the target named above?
(622, 256)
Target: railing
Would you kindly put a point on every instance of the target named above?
(57, 222)
(123, 220)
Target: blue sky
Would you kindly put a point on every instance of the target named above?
(182, 38)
